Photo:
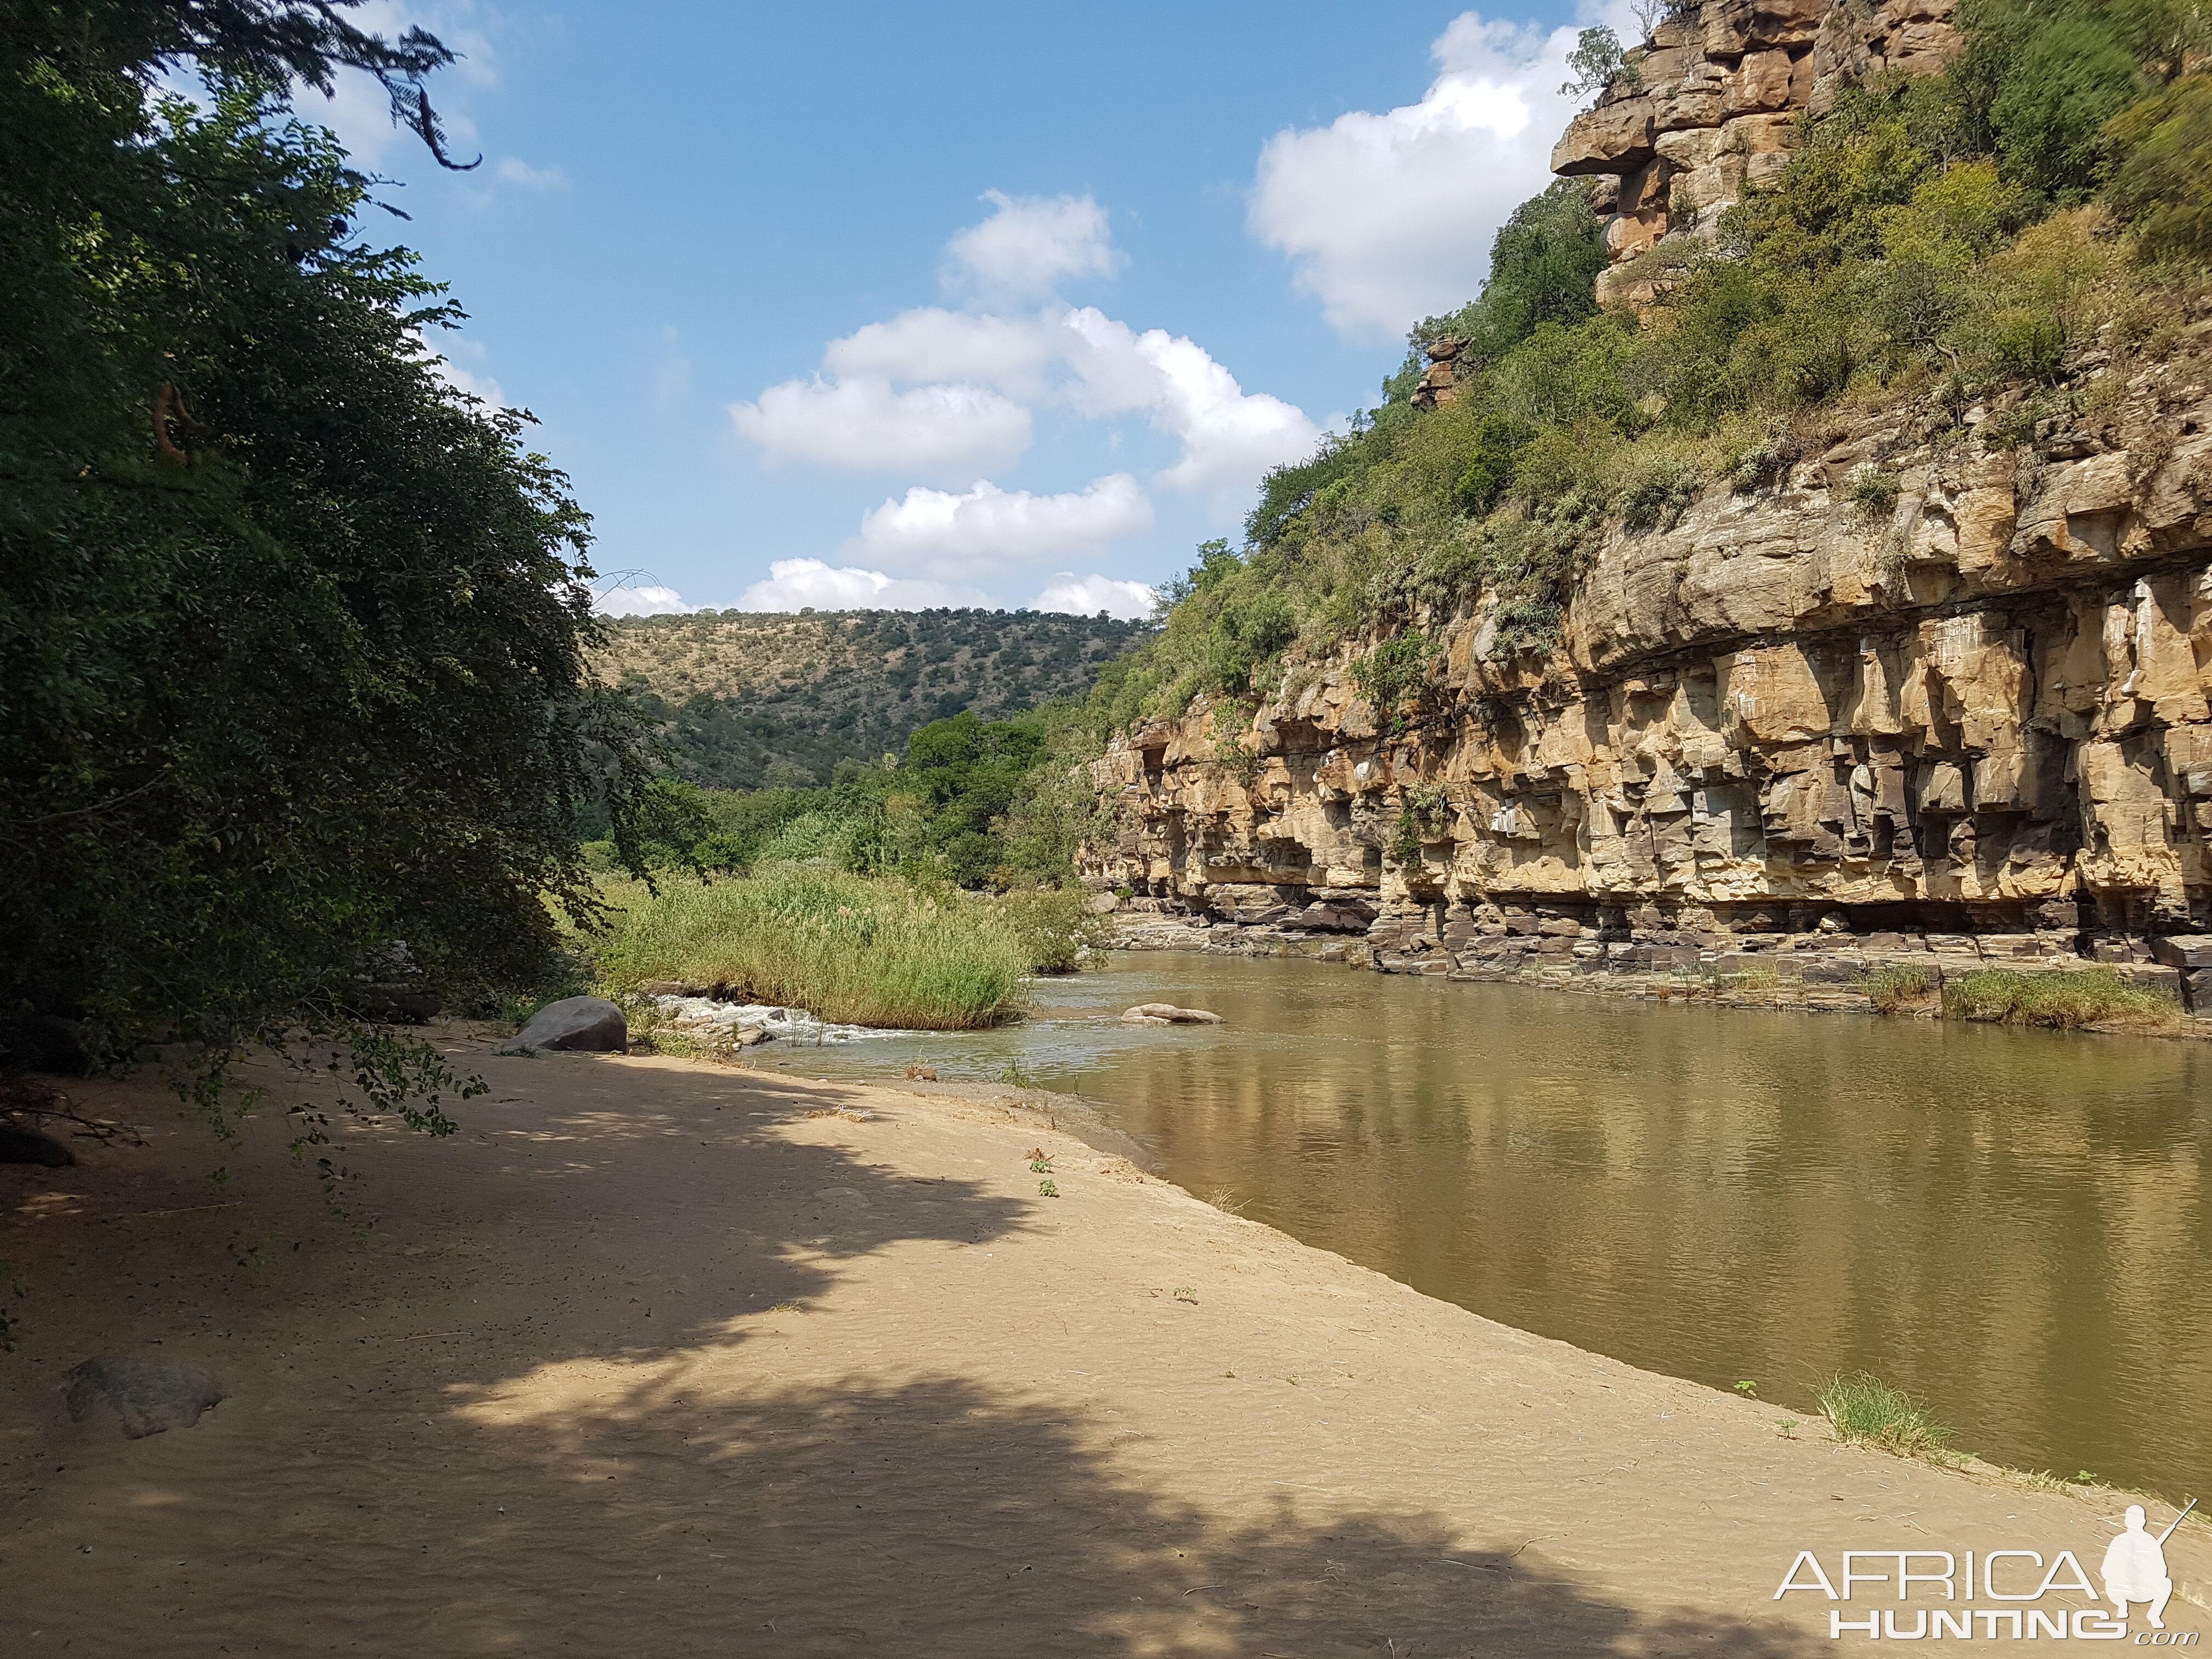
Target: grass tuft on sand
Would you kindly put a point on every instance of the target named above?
(846, 948)
(1862, 1407)
(2067, 998)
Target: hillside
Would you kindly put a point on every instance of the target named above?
(757, 699)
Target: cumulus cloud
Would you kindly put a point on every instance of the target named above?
(987, 528)
(1078, 359)
(1011, 352)
(1030, 245)
(865, 425)
(641, 602)
(1089, 595)
(799, 584)
(1229, 436)
(1388, 217)
(513, 170)
(474, 382)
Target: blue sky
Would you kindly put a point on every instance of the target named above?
(909, 306)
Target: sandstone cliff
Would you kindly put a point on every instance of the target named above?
(1971, 728)
(1712, 105)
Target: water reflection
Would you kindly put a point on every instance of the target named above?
(2013, 1224)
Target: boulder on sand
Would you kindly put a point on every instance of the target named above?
(147, 1395)
(590, 1023)
(21, 1146)
(1166, 1013)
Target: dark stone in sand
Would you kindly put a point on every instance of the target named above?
(33, 1146)
(147, 1395)
(46, 1042)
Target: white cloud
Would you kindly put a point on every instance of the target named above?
(513, 170)
(641, 602)
(1029, 246)
(1229, 436)
(475, 383)
(797, 583)
(1088, 596)
(863, 424)
(1010, 353)
(1082, 359)
(1388, 218)
(987, 528)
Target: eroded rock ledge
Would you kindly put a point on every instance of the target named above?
(1974, 727)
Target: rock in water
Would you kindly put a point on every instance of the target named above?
(32, 1147)
(147, 1396)
(591, 1023)
(1166, 1013)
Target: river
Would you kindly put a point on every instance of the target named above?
(2015, 1226)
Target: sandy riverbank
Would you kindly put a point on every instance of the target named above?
(661, 1359)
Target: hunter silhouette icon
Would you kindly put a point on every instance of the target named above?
(2135, 1566)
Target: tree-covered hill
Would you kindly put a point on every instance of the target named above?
(752, 700)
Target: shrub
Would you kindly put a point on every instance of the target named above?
(1874, 490)
(1864, 1408)
(1054, 926)
(2050, 290)
(1544, 263)
(2066, 74)
(1393, 671)
(1499, 439)
(1658, 489)
(1406, 842)
(2066, 998)
(2162, 187)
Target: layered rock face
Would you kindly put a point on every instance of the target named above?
(1962, 724)
(1713, 110)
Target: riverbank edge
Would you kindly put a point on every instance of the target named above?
(1088, 1123)
(1296, 1287)
(1801, 973)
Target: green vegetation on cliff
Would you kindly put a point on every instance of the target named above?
(2027, 229)
(748, 700)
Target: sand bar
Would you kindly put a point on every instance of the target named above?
(665, 1359)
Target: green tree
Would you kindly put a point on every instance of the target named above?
(292, 635)
(1597, 62)
(2162, 185)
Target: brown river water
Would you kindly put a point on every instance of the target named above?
(2015, 1226)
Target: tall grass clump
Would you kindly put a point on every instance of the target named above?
(850, 948)
(1892, 986)
(2066, 999)
(1862, 1407)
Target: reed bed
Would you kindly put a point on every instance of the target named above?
(850, 948)
(2067, 998)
